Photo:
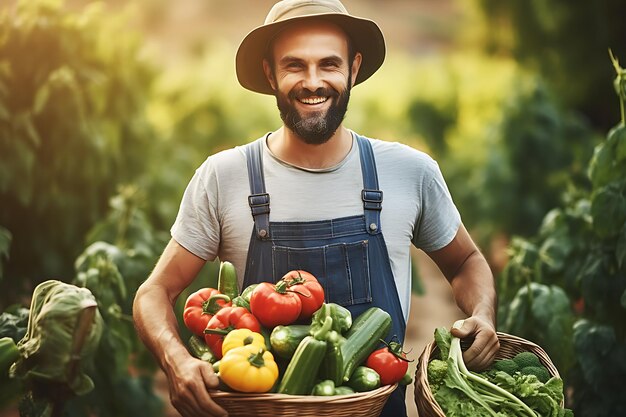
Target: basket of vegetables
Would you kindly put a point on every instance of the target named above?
(522, 381)
(280, 349)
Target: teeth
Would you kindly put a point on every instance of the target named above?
(313, 100)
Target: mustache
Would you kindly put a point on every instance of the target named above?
(306, 93)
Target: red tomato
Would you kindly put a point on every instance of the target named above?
(274, 304)
(390, 362)
(225, 320)
(310, 291)
(201, 306)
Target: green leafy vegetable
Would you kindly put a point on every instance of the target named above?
(63, 332)
(495, 392)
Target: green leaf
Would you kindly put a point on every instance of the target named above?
(620, 249)
(608, 210)
(623, 299)
(600, 168)
(620, 142)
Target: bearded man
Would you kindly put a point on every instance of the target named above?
(309, 196)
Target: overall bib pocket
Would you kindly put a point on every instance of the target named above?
(349, 282)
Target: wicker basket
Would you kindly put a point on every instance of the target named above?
(362, 404)
(509, 346)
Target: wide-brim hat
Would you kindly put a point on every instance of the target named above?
(365, 34)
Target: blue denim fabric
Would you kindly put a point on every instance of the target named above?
(347, 255)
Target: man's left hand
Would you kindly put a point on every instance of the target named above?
(483, 350)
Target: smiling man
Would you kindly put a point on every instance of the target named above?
(309, 195)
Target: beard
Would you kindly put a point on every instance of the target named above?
(318, 127)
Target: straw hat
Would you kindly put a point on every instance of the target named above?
(365, 34)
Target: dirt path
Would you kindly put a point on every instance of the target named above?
(436, 308)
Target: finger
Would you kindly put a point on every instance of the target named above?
(203, 397)
(482, 352)
(469, 326)
(188, 394)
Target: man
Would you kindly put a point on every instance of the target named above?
(310, 196)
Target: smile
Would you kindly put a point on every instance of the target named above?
(313, 100)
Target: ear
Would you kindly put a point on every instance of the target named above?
(269, 74)
(356, 65)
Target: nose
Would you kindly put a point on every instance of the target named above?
(312, 80)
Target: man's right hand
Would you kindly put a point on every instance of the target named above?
(189, 379)
(189, 382)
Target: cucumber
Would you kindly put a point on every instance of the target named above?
(364, 379)
(199, 349)
(332, 365)
(301, 373)
(285, 339)
(343, 390)
(324, 388)
(227, 280)
(363, 337)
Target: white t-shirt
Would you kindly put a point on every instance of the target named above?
(214, 219)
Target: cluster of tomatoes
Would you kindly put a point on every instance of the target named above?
(211, 315)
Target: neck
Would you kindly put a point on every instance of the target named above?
(289, 147)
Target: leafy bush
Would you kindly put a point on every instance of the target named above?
(71, 128)
(581, 248)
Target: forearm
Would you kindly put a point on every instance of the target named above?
(156, 324)
(473, 288)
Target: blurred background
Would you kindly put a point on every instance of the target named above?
(107, 108)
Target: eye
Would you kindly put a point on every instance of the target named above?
(293, 65)
(330, 64)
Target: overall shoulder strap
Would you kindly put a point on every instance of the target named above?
(258, 199)
(371, 195)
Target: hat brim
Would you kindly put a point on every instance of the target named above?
(365, 34)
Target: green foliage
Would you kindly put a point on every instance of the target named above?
(123, 250)
(565, 41)
(71, 128)
(542, 314)
(5, 245)
(581, 249)
(534, 151)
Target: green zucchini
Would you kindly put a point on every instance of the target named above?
(285, 339)
(332, 365)
(364, 379)
(199, 349)
(324, 388)
(363, 337)
(227, 280)
(343, 390)
(301, 373)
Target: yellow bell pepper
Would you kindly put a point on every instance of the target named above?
(249, 368)
(241, 337)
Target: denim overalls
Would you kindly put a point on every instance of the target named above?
(347, 255)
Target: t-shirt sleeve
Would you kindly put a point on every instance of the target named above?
(438, 219)
(196, 227)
